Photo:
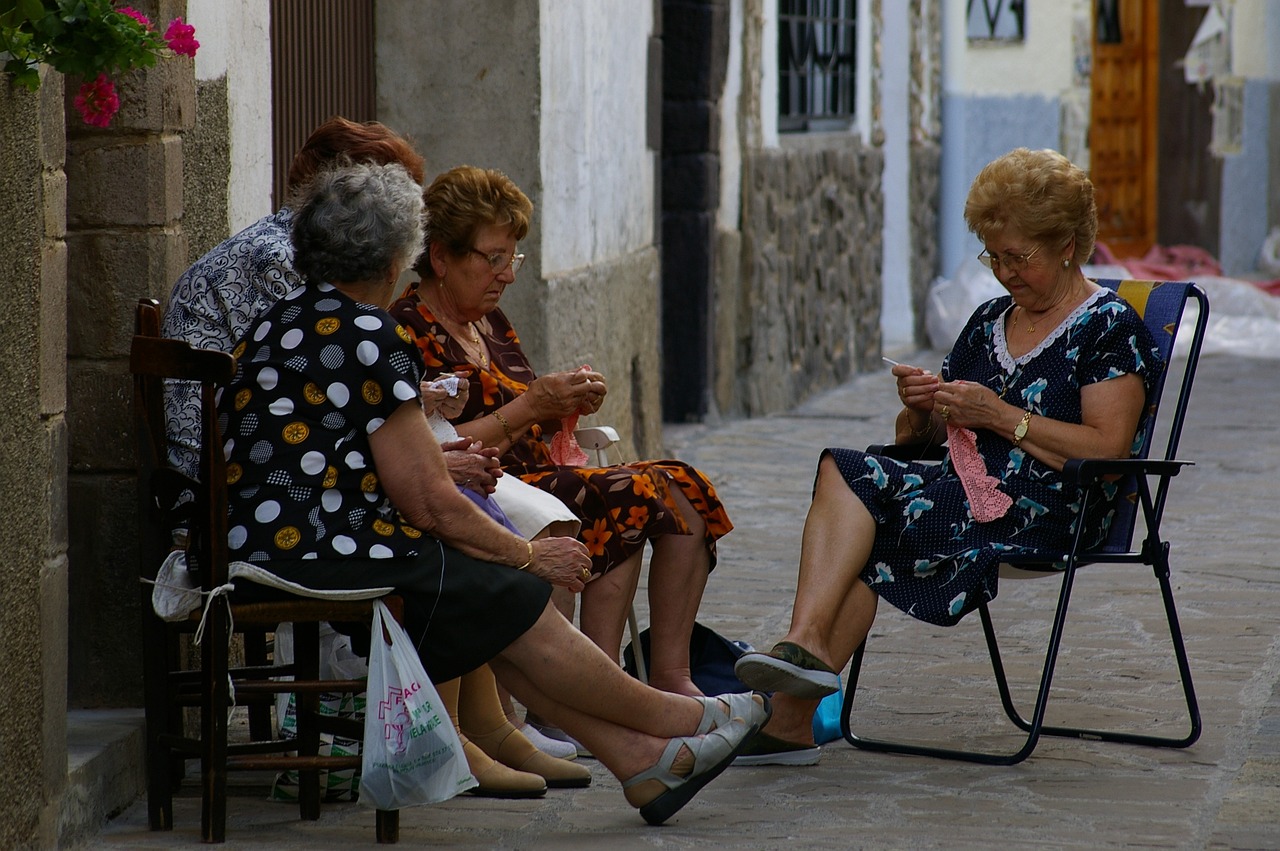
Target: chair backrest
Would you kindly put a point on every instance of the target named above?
(167, 498)
(1161, 305)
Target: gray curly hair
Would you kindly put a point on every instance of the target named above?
(354, 222)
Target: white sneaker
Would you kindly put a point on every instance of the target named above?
(551, 747)
(557, 735)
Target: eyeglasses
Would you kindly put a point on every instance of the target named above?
(1009, 261)
(499, 260)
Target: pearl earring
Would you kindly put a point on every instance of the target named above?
(1066, 262)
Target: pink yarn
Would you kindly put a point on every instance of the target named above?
(986, 501)
(564, 449)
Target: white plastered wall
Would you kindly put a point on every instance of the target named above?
(597, 173)
(238, 45)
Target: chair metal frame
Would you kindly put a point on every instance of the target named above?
(166, 495)
(1152, 552)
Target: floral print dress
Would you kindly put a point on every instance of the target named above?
(931, 558)
(620, 507)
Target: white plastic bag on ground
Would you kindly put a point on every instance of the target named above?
(952, 301)
(1243, 320)
(412, 754)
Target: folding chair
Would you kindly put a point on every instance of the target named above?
(166, 500)
(1161, 307)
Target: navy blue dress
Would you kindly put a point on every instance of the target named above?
(931, 558)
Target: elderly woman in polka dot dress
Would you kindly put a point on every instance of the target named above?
(335, 481)
(1059, 368)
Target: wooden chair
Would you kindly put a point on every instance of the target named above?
(167, 500)
(1144, 488)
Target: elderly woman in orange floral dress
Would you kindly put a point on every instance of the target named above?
(476, 218)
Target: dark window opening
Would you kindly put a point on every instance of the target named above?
(816, 64)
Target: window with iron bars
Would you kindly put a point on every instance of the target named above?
(996, 20)
(816, 64)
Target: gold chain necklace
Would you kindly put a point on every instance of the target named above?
(471, 344)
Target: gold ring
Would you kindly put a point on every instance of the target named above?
(945, 411)
(586, 573)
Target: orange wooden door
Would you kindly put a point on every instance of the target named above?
(1122, 128)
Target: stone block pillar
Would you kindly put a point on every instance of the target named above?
(33, 463)
(125, 241)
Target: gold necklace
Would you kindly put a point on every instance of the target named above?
(476, 349)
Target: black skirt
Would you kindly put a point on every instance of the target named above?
(459, 611)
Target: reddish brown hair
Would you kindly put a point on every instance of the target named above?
(360, 142)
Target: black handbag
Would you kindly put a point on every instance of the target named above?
(711, 658)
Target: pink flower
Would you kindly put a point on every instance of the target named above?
(97, 101)
(136, 15)
(181, 38)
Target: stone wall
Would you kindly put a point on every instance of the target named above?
(925, 180)
(125, 240)
(33, 463)
(806, 294)
(206, 169)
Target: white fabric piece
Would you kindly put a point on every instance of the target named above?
(529, 509)
(175, 594)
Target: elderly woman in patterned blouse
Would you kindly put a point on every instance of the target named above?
(337, 482)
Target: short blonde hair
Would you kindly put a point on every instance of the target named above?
(1042, 194)
(464, 199)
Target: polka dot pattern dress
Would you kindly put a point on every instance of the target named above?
(931, 558)
(315, 376)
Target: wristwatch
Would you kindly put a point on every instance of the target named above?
(1020, 430)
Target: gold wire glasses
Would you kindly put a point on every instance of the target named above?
(499, 260)
(1011, 262)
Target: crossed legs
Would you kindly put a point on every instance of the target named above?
(562, 676)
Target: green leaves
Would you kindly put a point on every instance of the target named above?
(84, 37)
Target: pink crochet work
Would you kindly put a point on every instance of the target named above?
(986, 501)
(564, 448)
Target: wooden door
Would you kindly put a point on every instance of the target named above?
(1122, 130)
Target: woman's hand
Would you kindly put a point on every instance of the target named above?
(452, 406)
(561, 561)
(471, 465)
(438, 397)
(916, 387)
(557, 395)
(971, 405)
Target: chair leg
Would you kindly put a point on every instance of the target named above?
(255, 655)
(306, 661)
(388, 827)
(213, 723)
(642, 667)
(159, 719)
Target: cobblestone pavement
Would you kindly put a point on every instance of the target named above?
(1224, 792)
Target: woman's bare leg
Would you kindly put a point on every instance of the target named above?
(560, 661)
(563, 599)
(622, 749)
(837, 539)
(605, 602)
(677, 577)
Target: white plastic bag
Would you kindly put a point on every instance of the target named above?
(412, 754)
